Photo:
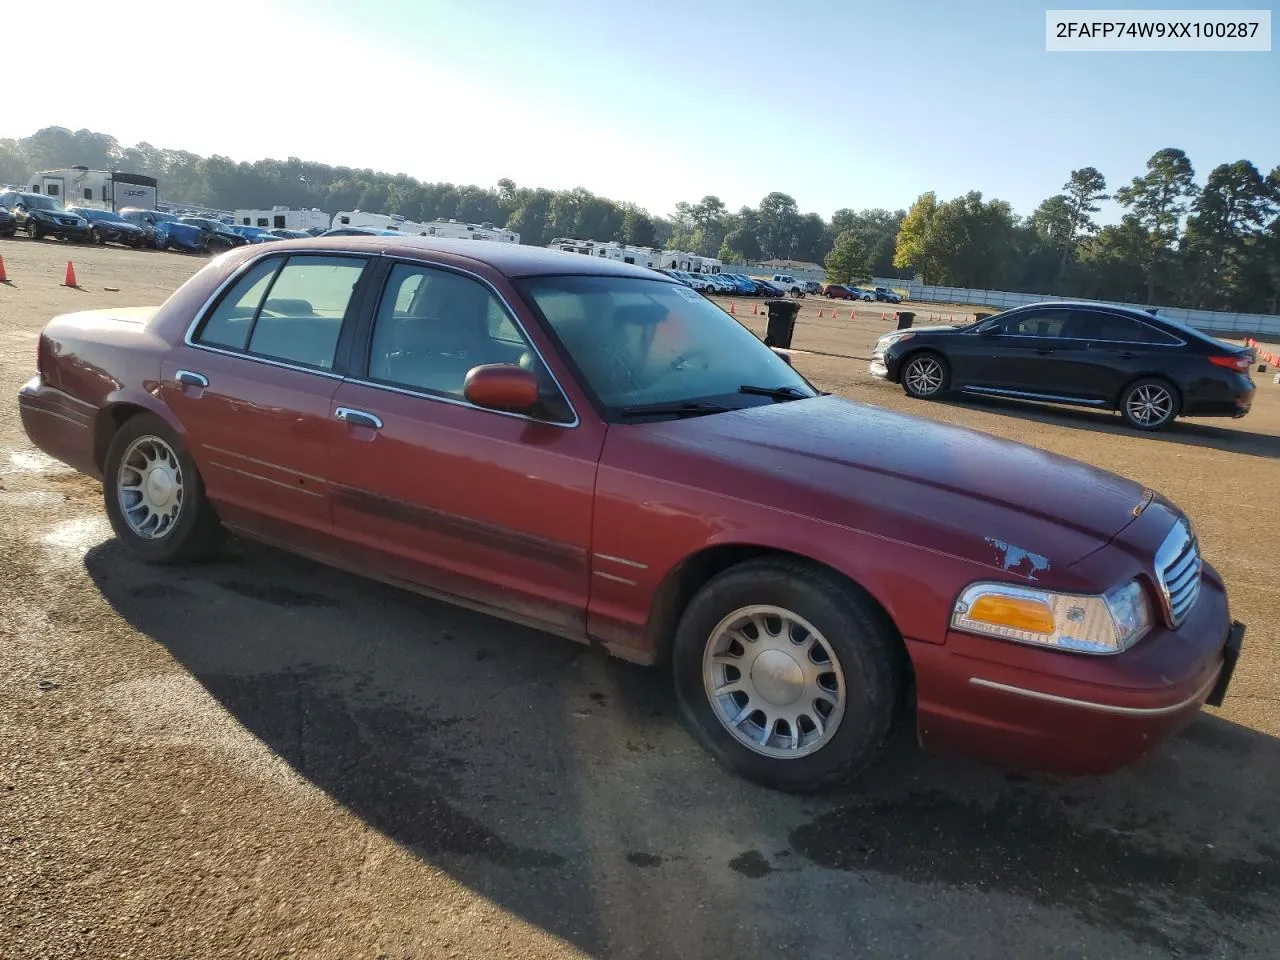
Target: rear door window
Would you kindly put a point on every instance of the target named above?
(1115, 328)
(289, 310)
(1040, 323)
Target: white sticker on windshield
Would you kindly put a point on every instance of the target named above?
(693, 296)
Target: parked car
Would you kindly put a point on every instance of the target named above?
(166, 231)
(218, 236)
(770, 289)
(788, 283)
(39, 216)
(1147, 367)
(108, 227)
(886, 295)
(838, 291)
(281, 234)
(861, 293)
(722, 284)
(8, 225)
(628, 465)
(812, 286)
(252, 234)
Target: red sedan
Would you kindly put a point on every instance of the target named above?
(595, 450)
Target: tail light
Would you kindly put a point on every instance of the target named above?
(1233, 362)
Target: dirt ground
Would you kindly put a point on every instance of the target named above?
(265, 758)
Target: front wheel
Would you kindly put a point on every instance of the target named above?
(788, 674)
(925, 376)
(154, 495)
(1149, 404)
(33, 230)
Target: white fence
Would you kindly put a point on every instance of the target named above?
(1217, 321)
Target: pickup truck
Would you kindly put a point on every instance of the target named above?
(790, 284)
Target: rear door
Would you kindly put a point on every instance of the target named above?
(1115, 349)
(251, 387)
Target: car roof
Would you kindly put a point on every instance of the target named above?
(1135, 312)
(511, 259)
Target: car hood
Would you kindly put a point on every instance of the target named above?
(906, 478)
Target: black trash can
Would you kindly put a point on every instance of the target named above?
(905, 318)
(782, 323)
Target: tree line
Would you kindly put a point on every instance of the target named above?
(1179, 243)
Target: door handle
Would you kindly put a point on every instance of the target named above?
(189, 378)
(1044, 351)
(358, 418)
(1127, 354)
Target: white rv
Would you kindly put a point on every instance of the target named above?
(569, 245)
(458, 230)
(103, 189)
(444, 229)
(688, 262)
(624, 253)
(283, 218)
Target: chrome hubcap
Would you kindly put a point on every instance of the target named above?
(1150, 404)
(773, 681)
(924, 376)
(149, 487)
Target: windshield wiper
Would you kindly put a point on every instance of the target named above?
(775, 393)
(690, 409)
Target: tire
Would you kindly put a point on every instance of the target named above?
(1150, 404)
(33, 230)
(193, 531)
(925, 375)
(869, 675)
(96, 237)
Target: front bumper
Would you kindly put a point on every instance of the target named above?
(1074, 714)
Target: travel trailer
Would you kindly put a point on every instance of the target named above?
(103, 189)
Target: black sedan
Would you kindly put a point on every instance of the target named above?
(40, 216)
(108, 227)
(8, 225)
(217, 236)
(1150, 369)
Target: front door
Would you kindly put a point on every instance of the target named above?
(253, 389)
(474, 504)
(1021, 358)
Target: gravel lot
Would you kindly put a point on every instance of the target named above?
(265, 758)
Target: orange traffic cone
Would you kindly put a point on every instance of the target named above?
(71, 276)
(3, 276)
(731, 310)
(819, 314)
(755, 309)
(851, 317)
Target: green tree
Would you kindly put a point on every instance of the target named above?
(637, 228)
(1159, 199)
(913, 248)
(1081, 193)
(1224, 230)
(779, 218)
(847, 262)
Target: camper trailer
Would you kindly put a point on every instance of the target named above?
(283, 218)
(102, 189)
(444, 229)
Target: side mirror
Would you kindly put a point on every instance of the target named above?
(501, 386)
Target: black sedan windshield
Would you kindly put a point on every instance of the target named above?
(100, 215)
(33, 201)
(650, 342)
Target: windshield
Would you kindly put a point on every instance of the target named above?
(100, 215)
(34, 201)
(637, 341)
(164, 217)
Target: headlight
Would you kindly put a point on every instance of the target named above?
(891, 338)
(1106, 624)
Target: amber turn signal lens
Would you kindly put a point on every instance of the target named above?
(1016, 613)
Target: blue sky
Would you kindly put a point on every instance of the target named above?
(871, 103)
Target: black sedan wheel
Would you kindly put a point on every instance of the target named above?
(95, 236)
(1149, 404)
(925, 376)
(33, 230)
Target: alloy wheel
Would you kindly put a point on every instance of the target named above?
(150, 487)
(924, 376)
(774, 682)
(1150, 405)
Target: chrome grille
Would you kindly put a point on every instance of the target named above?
(1178, 572)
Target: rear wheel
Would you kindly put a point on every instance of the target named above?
(787, 674)
(1149, 404)
(154, 495)
(33, 230)
(925, 375)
